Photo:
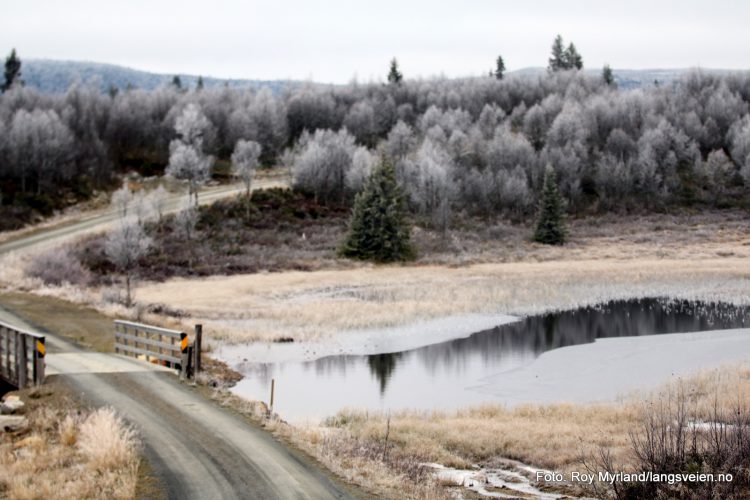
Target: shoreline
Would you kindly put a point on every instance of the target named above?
(365, 342)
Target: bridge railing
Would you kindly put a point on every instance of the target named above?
(154, 344)
(21, 356)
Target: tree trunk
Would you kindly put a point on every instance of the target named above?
(247, 203)
(127, 290)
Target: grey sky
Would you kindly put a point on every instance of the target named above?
(332, 41)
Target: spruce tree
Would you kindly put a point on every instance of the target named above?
(177, 82)
(608, 76)
(549, 226)
(12, 71)
(394, 75)
(562, 58)
(558, 61)
(499, 68)
(573, 59)
(378, 230)
(199, 84)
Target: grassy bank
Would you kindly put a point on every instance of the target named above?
(67, 451)
(385, 452)
(257, 307)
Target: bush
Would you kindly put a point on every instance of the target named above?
(57, 267)
(675, 437)
(107, 441)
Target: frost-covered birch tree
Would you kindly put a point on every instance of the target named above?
(244, 162)
(124, 246)
(41, 148)
(186, 158)
(157, 200)
(188, 163)
(322, 163)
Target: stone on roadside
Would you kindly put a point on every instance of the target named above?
(13, 423)
(10, 404)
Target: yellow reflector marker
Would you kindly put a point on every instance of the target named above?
(41, 349)
(184, 344)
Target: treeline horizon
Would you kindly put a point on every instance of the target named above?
(474, 145)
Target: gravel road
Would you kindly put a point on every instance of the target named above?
(196, 449)
(100, 219)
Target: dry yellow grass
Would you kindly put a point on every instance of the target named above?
(70, 455)
(550, 436)
(557, 437)
(307, 305)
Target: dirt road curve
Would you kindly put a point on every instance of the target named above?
(196, 449)
(100, 219)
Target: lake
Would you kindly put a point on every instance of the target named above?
(478, 369)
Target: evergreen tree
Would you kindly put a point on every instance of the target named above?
(499, 68)
(394, 75)
(562, 58)
(607, 76)
(549, 227)
(177, 82)
(558, 61)
(12, 71)
(573, 59)
(199, 84)
(378, 230)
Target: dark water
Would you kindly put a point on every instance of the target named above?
(442, 375)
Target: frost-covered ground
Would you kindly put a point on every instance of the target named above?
(321, 305)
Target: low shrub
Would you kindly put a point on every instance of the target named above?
(57, 267)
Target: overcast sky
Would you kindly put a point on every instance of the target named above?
(334, 41)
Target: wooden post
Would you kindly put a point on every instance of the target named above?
(184, 355)
(270, 406)
(21, 359)
(7, 352)
(387, 433)
(39, 352)
(197, 343)
(135, 342)
(3, 349)
(191, 366)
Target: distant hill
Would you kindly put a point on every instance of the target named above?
(627, 79)
(51, 76)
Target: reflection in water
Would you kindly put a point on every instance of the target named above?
(441, 375)
(382, 366)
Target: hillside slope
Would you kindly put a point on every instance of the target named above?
(52, 76)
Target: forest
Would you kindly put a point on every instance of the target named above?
(477, 146)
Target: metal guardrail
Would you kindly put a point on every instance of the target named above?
(169, 348)
(21, 356)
